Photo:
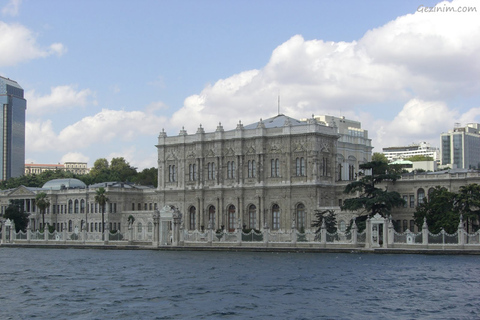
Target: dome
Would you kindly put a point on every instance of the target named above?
(59, 184)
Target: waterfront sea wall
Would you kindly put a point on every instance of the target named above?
(379, 236)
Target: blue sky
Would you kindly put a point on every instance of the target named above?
(103, 78)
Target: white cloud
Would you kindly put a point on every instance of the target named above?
(106, 127)
(74, 157)
(423, 56)
(418, 121)
(19, 44)
(11, 8)
(60, 98)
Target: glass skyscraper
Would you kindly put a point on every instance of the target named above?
(12, 126)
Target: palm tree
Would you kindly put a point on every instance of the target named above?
(42, 203)
(101, 199)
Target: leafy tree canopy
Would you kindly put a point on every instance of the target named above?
(438, 208)
(377, 156)
(373, 200)
(330, 220)
(18, 216)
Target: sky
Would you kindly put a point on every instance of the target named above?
(103, 78)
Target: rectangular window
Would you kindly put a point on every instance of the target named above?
(412, 201)
(405, 198)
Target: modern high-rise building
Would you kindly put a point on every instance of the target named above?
(12, 126)
(461, 147)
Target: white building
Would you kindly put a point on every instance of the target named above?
(419, 149)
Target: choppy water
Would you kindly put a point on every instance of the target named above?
(105, 284)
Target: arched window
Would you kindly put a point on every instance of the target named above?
(192, 218)
(301, 221)
(192, 172)
(70, 225)
(82, 206)
(251, 169)
(70, 206)
(149, 227)
(275, 168)
(231, 218)
(211, 171)
(252, 216)
(342, 226)
(230, 169)
(172, 173)
(300, 167)
(275, 217)
(76, 206)
(211, 215)
(139, 227)
(420, 196)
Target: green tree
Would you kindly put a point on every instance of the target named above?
(377, 156)
(147, 177)
(101, 199)
(18, 216)
(121, 170)
(439, 211)
(42, 202)
(371, 199)
(330, 219)
(467, 203)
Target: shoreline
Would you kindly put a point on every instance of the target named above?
(447, 251)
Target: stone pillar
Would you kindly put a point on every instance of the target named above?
(265, 235)
(368, 234)
(2, 226)
(391, 233)
(461, 237)
(64, 234)
(130, 232)
(425, 232)
(323, 234)
(106, 233)
(385, 233)
(156, 228)
(239, 232)
(12, 232)
(354, 232)
(45, 232)
(209, 233)
(29, 230)
(294, 233)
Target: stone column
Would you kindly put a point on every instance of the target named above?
(368, 234)
(293, 233)
(461, 240)
(29, 230)
(425, 232)
(354, 232)
(385, 233)
(265, 235)
(156, 228)
(45, 232)
(4, 230)
(391, 233)
(323, 234)
(239, 232)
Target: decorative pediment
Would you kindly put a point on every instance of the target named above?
(22, 191)
(299, 147)
(210, 154)
(229, 152)
(171, 156)
(251, 150)
(191, 155)
(275, 149)
(324, 147)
